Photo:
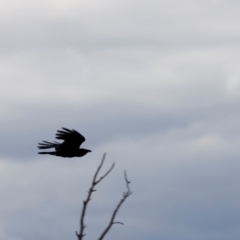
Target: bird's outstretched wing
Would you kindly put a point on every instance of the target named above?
(72, 139)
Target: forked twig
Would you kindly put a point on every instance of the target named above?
(125, 195)
(81, 234)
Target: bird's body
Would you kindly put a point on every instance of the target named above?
(69, 148)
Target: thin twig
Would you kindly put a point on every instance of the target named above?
(81, 234)
(125, 195)
(118, 223)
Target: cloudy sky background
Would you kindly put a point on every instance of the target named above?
(155, 84)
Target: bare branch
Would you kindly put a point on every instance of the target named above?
(125, 195)
(126, 180)
(81, 234)
(101, 178)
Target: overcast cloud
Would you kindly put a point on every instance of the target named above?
(155, 84)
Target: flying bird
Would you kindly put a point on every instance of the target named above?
(70, 147)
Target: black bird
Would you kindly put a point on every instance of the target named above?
(68, 148)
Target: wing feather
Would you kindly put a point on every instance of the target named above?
(72, 138)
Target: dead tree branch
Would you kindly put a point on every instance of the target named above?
(125, 195)
(81, 234)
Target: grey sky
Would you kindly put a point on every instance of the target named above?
(155, 84)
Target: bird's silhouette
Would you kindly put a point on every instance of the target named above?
(70, 147)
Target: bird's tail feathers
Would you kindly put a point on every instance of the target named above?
(46, 145)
